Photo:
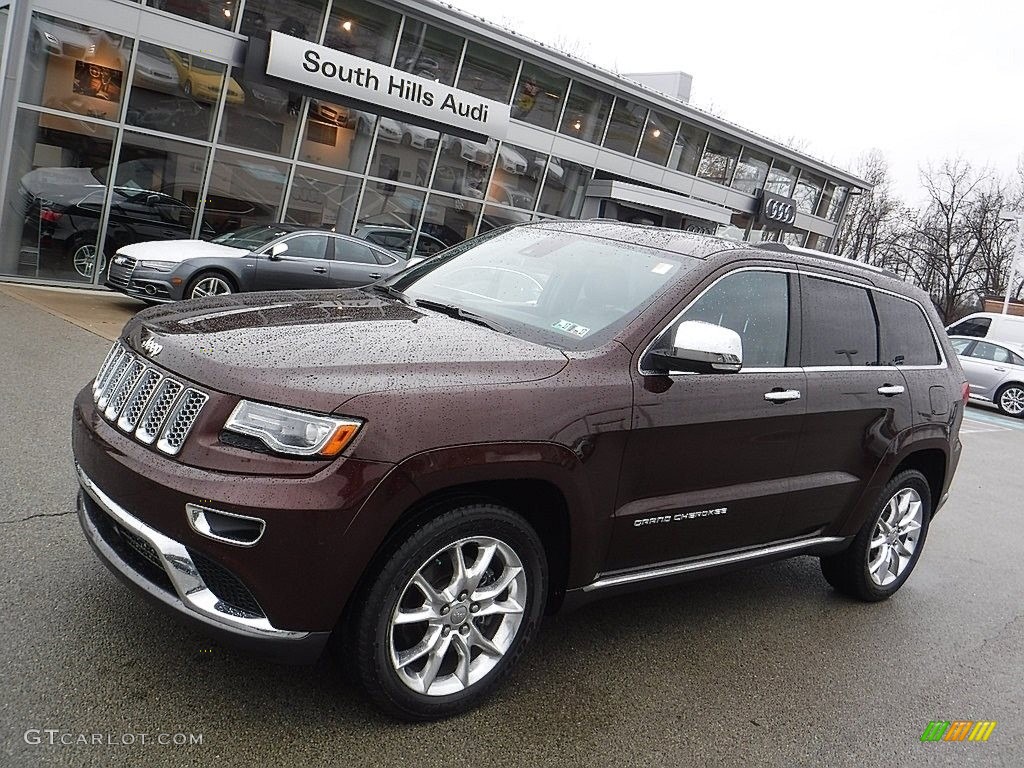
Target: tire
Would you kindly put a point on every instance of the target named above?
(1010, 400)
(203, 279)
(399, 682)
(86, 258)
(850, 571)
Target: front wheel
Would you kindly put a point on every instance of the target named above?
(450, 612)
(882, 556)
(209, 284)
(1010, 400)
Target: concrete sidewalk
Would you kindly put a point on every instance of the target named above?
(103, 313)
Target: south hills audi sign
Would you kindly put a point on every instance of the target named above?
(367, 82)
(776, 212)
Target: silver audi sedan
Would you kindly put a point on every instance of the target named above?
(995, 372)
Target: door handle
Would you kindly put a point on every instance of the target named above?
(999, 370)
(320, 270)
(375, 275)
(782, 395)
(891, 389)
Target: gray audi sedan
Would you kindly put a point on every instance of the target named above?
(995, 372)
(265, 257)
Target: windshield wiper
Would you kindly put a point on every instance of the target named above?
(461, 314)
(390, 290)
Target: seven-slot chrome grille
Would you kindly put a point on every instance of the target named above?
(144, 402)
(120, 271)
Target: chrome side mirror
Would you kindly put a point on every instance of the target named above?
(700, 347)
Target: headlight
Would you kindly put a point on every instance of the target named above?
(159, 266)
(292, 432)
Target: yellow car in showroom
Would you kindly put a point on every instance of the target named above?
(201, 78)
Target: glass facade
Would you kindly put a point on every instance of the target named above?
(116, 140)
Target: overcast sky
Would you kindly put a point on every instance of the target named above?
(918, 80)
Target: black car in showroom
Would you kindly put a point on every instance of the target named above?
(262, 257)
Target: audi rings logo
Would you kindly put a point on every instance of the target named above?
(777, 211)
(782, 212)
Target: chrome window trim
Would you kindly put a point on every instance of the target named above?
(800, 270)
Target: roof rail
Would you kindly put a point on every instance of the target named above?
(783, 248)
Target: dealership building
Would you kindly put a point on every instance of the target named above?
(405, 122)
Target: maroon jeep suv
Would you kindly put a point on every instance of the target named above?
(419, 470)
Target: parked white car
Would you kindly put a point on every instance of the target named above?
(990, 325)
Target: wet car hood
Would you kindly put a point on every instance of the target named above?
(316, 349)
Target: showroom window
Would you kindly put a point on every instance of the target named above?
(167, 96)
(808, 189)
(488, 73)
(782, 178)
(75, 68)
(832, 199)
(796, 239)
(156, 191)
(539, 96)
(737, 227)
(216, 13)
(243, 191)
(751, 171)
(363, 29)
(463, 166)
(688, 148)
(404, 152)
(256, 116)
(54, 200)
(323, 200)
(337, 136)
(586, 112)
(517, 175)
(659, 136)
(719, 160)
(446, 221)
(429, 52)
(565, 188)
(494, 217)
(298, 18)
(625, 127)
(391, 206)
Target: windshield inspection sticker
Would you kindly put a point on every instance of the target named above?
(661, 268)
(575, 330)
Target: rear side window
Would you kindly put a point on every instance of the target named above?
(959, 345)
(346, 250)
(976, 326)
(756, 306)
(906, 337)
(985, 351)
(838, 324)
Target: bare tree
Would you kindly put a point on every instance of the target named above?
(874, 224)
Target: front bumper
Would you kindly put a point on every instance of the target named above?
(163, 569)
(151, 286)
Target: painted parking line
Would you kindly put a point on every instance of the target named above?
(977, 420)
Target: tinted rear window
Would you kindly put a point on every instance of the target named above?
(838, 324)
(906, 336)
(976, 326)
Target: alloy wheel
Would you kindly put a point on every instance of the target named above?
(85, 258)
(895, 537)
(210, 286)
(457, 616)
(1012, 401)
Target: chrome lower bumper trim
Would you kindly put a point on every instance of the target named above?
(713, 562)
(193, 596)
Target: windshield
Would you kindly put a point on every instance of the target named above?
(561, 289)
(251, 238)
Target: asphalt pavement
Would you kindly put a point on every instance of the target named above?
(760, 667)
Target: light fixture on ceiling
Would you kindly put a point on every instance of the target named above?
(657, 133)
(347, 25)
(577, 125)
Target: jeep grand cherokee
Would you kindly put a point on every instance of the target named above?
(419, 470)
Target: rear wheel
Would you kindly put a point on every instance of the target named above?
(87, 259)
(210, 284)
(1010, 400)
(450, 612)
(882, 556)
